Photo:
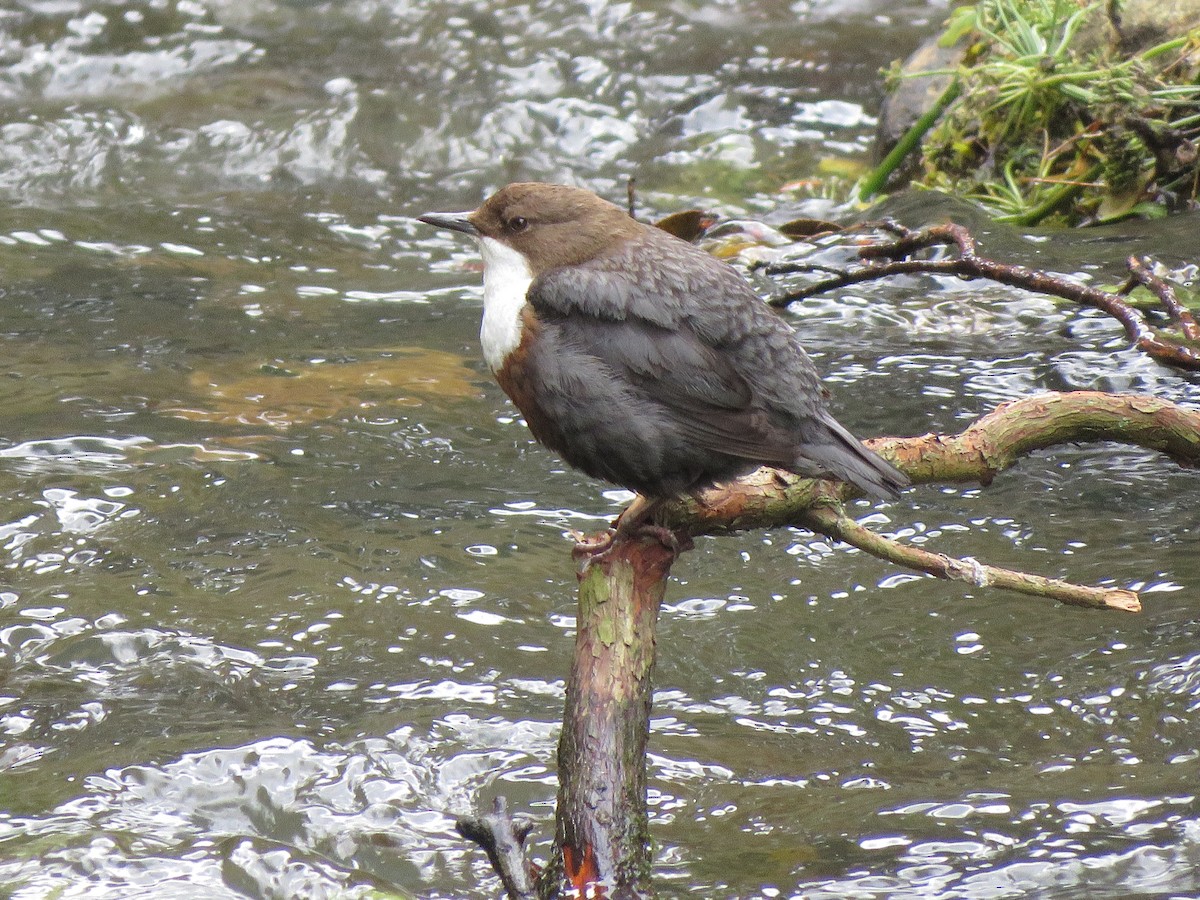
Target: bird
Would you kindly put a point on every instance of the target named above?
(642, 360)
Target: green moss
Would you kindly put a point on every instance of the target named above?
(1044, 129)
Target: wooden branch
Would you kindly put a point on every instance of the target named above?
(503, 840)
(834, 522)
(1140, 272)
(602, 840)
(769, 498)
(968, 264)
(1017, 428)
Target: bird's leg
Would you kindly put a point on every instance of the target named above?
(632, 517)
(637, 520)
(597, 545)
(638, 513)
(592, 544)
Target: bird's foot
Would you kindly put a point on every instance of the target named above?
(638, 513)
(675, 541)
(636, 521)
(591, 546)
(596, 546)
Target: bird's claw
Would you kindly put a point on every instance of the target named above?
(675, 541)
(596, 545)
(592, 545)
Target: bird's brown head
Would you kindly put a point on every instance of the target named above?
(551, 225)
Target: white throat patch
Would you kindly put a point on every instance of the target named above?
(506, 280)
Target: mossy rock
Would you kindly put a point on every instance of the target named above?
(1060, 111)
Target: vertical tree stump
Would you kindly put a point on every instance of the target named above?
(602, 840)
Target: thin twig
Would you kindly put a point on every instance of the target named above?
(503, 840)
(1162, 289)
(968, 264)
(793, 268)
(834, 522)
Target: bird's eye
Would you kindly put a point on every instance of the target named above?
(518, 223)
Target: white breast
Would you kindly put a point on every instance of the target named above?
(506, 280)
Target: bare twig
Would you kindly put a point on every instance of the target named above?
(1140, 273)
(968, 264)
(1015, 429)
(792, 268)
(503, 840)
(834, 522)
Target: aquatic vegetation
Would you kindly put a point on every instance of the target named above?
(1050, 119)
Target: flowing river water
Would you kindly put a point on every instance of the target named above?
(283, 582)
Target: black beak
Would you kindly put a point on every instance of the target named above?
(452, 221)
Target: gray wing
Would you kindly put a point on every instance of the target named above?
(694, 389)
(691, 336)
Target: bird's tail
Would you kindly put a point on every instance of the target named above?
(844, 456)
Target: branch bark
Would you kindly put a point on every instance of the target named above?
(502, 838)
(834, 522)
(602, 839)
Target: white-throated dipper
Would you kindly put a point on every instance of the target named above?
(643, 360)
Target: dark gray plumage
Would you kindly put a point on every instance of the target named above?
(648, 363)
